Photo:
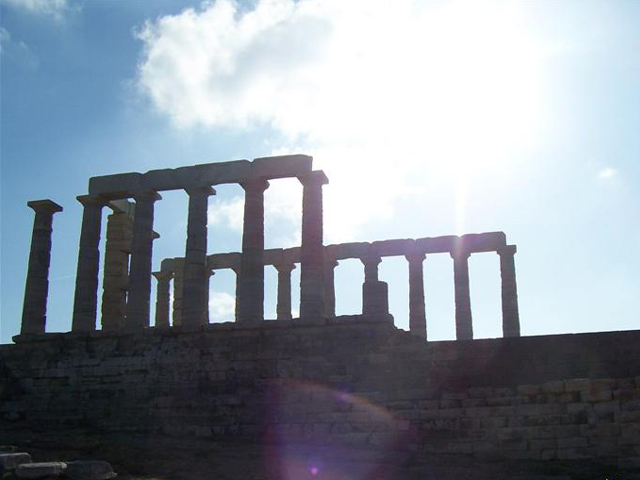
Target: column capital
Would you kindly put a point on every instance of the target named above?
(507, 250)
(415, 257)
(91, 200)
(201, 190)
(284, 267)
(163, 275)
(371, 259)
(460, 254)
(147, 196)
(44, 206)
(315, 178)
(255, 184)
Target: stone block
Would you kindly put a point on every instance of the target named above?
(352, 250)
(9, 461)
(40, 470)
(158, 180)
(393, 247)
(629, 463)
(528, 390)
(436, 244)
(483, 242)
(282, 166)
(120, 185)
(594, 396)
(577, 385)
(554, 387)
(90, 470)
(572, 442)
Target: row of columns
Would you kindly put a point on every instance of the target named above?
(375, 293)
(132, 292)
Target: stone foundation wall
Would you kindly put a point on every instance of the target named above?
(350, 381)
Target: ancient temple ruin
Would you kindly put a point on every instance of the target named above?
(127, 271)
(335, 382)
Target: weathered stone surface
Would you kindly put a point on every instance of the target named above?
(281, 166)
(9, 461)
(90, 470)
(40, 470)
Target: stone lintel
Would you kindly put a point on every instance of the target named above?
(291, 255)
(273, 256)
(484, 242)
(442, 244)
(150, 196)
(397, 247)
(45, 206)
(125, 185)
(281, 166)
(507, 250)
(219, 261)
(351, 250)
(115, 186)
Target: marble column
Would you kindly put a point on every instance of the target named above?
(417, 316)
(375, 295)
(311, 252)
(138, 304)
(178, 277)
(116, 269)
(196, 276)
(464, 326)
(236, 270)
(251, 286)
(283, 306)
(85, 303)
(510, 316)
(163, 298)
(34, 310)
(330, 287)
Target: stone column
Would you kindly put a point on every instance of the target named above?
(375, 296)
(205, 314)
(85, 303)
(311, 252)
(163, 298)
(330, 287)
(464, 326)
(116, 269)
(510, 316)
(283, 306)
(34, 310)
(417, 316)
(196, 278)
(178, 276)
(140, 270)
(251, 284)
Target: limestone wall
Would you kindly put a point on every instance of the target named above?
(349, 382)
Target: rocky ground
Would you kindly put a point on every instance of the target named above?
(136, 457)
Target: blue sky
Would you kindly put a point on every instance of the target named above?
(429, 118)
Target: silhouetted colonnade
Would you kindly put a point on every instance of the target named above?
(129, 244)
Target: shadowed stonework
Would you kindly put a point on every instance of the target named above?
(333, 385)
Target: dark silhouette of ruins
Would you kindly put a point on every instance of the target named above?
(319, 379)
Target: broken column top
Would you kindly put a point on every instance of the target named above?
(44, 206)
(125, 185)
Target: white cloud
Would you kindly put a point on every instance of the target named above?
(227, 213)
(608, 174)
(222, 306)
(56, 9)
(380, 93)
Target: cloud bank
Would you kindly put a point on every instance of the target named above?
(55, 9)
(381, 93)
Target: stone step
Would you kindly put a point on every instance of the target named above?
(90, 470)
(40, 470)
(9, 461)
